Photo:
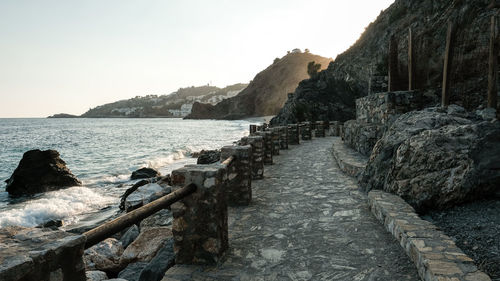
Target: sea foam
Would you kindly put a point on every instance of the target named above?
(66, 204)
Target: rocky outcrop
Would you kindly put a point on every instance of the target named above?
(104, 256)
(147, 245)
(267, 92)
(362, 69)
(435, 158)
(157, 267)
(208, 157)
(40, 171)
(142, 196)
(144, 173)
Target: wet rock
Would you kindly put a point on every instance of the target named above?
(160, 218)
(96, 275)
(52, 224)
(40, 171)
(147, 245)
(208, 157)
(143, 195)
(132, 271)
(436, 159)
(104, 256)
(130, 191)
(156, 269)
(144, 173)
(129, 236)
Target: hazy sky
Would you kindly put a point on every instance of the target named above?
(70, 55)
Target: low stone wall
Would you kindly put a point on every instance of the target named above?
(268, 146)
(435, 255)
(349, 161)
(40, 254)
(362, 136)
(385, 107)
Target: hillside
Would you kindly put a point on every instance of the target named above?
(177, 104)
(267, 92)
(331, 95)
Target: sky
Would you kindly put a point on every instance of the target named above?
(68, 56)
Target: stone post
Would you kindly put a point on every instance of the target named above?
(253, 129)
(293, 134)
(275, 135)
(335, 128)
(306, 130)
(239, 174)
(200, 219)
(320, 129)
(257, 143)
(268, 147)
(283, 137)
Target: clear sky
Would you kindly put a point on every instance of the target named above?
(69, 55)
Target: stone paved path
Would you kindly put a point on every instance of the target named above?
(307, 221)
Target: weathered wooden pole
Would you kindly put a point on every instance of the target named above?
(105, 230)
(411, 65)
(393, 64)
(493, 65)
(445, 94)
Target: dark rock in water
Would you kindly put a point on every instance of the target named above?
(166, 180)
(40, 171)
(52, 224)
(157, 267)
(143, 195)
(208, 157)
(145, 173)
(129, 236)
(435, 159)
(132, 271)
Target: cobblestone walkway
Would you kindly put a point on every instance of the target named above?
(307, 221)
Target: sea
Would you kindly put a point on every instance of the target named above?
(102, 153)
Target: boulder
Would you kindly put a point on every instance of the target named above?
(40, 171)
(132, 271)
(145, 173)
(157, 267)
(96, 275)
(147, 245)
(208, 157)
(142, 195)
(435, 159)
(129, 236)
(104, 256)
(160, 218)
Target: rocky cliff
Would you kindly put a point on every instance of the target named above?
(267, 92)
(331, 95)
(176, 104)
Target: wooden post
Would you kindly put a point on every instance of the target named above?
(445, 94)
(393, 64)
(411, 65)
(493, 65)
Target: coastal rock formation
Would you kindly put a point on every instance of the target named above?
(147, 245)
(40, 171)
(104, 256)
(160, 218)
(96, 275)
(208, 157)
(435, 159)
(144, 173)
(266, 93)
(129, 236)
(143, 195)
(363, 68)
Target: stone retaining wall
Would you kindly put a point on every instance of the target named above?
(36, 254)
(362, 136)
(384, 108)
(435, 255)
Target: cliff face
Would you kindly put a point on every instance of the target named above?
(361, 69)
(267, 92)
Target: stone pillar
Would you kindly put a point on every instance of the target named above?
(275, 135)
(257, 143)
(268, 147)
(293, 134)
(283, 137)
(253, 129)
(306, 130)
(320, 129)
(334, 128)
(239, 174)
(200, 219)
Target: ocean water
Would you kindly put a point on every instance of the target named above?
(102, 153)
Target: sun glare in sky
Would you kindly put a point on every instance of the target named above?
(68, 56)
